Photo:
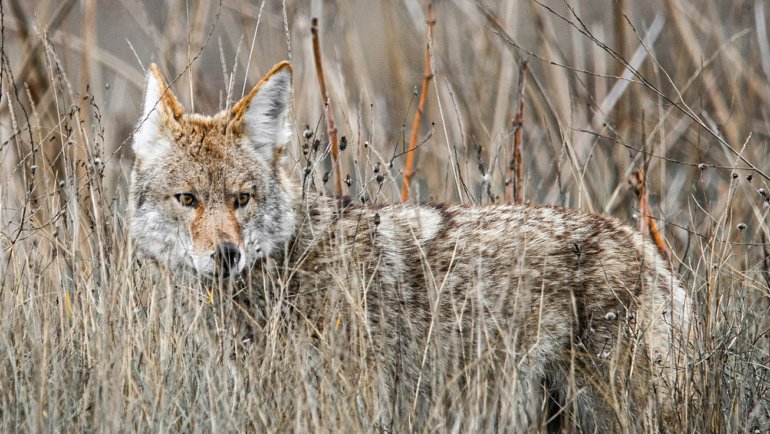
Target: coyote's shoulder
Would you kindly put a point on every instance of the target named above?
(584, 307)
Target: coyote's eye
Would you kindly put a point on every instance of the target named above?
(242, 200)
(186, 199)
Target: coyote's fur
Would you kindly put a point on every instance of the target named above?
(579, 310)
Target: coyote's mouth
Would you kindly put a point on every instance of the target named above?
(226, 262)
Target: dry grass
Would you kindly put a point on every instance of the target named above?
(87, 344)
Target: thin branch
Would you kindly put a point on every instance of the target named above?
(679, 103)
(765, 260)
(409, 168)
(31, 60)
(647, 224)
(331, 127)
(514, 191)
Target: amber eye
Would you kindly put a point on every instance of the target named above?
(242, 199)
(186, 199)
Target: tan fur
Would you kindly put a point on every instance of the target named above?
(575, 305)
(211, 228)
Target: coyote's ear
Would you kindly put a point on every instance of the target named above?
(261, 115)
(161, 112)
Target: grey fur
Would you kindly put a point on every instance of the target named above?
(576, 305)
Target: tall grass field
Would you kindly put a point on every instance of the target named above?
(655, 112)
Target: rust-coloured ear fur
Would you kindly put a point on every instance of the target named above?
(261, 117)
(167, 98)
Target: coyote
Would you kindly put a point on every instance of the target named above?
(579, 311)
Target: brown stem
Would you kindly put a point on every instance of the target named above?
(409, 168)
(647, 224)
(514, 191)
(331, 126)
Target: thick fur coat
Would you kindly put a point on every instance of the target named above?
(581, 307)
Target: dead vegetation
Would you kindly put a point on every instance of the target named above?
(666, 99)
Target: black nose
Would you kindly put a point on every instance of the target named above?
(226, 258)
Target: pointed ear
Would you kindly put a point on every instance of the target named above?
(261, 116)
(161, 112)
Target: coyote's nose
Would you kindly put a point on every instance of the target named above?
(226, 258)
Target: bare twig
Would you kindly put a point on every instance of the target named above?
(514, 191)
(32, 60)
(331, 127)
(623, 120)
(251, 50)
(692, 47)
(647, 224)
(409, 168)
(676, 102)
(765, 260)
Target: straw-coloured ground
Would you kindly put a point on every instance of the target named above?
(652, 112)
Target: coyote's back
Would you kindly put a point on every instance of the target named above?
(579, 312)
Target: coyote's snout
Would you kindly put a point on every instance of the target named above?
(579, 313)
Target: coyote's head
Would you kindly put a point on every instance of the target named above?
(208, 192)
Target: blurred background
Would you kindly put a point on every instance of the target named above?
(630, 108)
(601, 101)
